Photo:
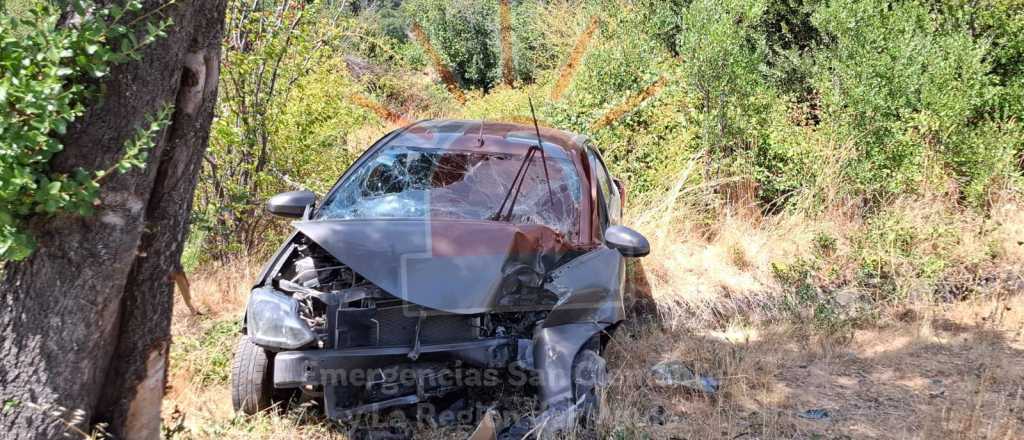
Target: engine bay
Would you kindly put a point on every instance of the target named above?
(346, 310)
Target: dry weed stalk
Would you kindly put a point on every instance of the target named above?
(568, 71)
(629, 104)
(439, 66)
(378, 108)
(222, 289)
(507, 71)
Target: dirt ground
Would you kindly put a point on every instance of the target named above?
(952, 372)
(946, 371)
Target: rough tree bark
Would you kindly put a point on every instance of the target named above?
(85, 321)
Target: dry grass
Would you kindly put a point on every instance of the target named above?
(947, 367)
(950, 374)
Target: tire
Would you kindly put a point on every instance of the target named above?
(252, 380)
(589, 377)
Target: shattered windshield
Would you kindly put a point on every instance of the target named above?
(407, 182)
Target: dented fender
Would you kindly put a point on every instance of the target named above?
(554, 349)
(590, 301)
(589, 289)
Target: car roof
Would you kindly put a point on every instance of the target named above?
(498, 137)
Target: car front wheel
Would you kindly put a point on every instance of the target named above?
(252, 381)
(590, 376)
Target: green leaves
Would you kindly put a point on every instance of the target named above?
(911, 87)
(48, 77)
(137, 148)
(465, 33)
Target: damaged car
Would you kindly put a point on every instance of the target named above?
(448, 245)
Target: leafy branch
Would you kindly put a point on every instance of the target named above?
(49, 75)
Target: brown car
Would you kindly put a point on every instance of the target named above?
(449, 247)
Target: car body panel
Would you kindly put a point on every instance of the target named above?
(452, 266)
(468, 268)
(589, 289)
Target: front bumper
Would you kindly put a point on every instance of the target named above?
(334, 367)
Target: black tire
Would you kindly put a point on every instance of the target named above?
(252, 380)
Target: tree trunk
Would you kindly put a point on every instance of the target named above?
(85, 326)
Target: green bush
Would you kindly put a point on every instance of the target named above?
(1001, 24)
(744, 122)
(309, 133)
(723, 63)
(465, 33)
(811, 307)
(649, 142)
(282, 124)
(542, 36)
(50, 74)
(904, 87)
(816, 101)
(622, 60)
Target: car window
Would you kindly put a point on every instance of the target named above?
(609, 192)
(615, 200)
(407, 182)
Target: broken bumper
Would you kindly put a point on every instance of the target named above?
(331, 367)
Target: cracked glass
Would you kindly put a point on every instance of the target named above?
(430, 183)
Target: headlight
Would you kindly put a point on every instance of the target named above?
(273, 319)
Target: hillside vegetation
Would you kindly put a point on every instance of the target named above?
(856, 145)
(832, 189)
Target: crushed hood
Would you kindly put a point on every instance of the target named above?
(454, 266)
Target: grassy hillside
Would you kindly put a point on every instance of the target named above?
(832, 190)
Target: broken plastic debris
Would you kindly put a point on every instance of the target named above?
(519, 430)
(487, 430)
(814, 414)
(657, 416)
(675, 373)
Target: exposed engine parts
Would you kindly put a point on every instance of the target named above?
(365, 315)
(449, 250)
(347, 311)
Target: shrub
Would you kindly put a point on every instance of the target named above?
(50, 73)
(904, 86)
(309, 132)
(723, 60)
(543, 34)
(817, 310)
(1001, 24)
(465, 33)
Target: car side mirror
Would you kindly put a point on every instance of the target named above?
(291, 204)
(628, 242)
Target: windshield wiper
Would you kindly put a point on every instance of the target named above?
(517, 183)
(521, 173)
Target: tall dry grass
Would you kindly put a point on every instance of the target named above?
(933, 364)
(948, 373)
(716, 256)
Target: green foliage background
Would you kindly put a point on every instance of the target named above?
(814, 103)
